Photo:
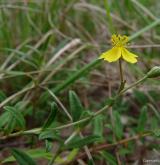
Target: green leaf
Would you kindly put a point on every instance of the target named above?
(33, 153)
(49, 135)
(10, 124)
(22, 158)
(2, 96)
(109, 158)
(124, 151)
(98, 125)
(118, 127)
(20, 121)
(142, 119)
(82, 142)
(48, 145)
(75, 106)
(51, 116)
(156, 132)
(4, 118)
(154, 123)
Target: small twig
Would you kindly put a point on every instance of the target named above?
(59, 102)
(16, 94)
(132, 85)
(88, 153)
(70, 57)
(37, 45)
(96, 149)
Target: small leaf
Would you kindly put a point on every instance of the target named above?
(82, 142)
(118, 127)
(142, 119)
(48, 145)
(20, 121)
(72, 154)
(2, 96)
(49, 135)
(75, 106)
(156, 133)
(10, 124)
(154, 123)
(109, 158)
(98, 125)
(51, 116)
(124, 151)
(4, 118)
(22, 158)
(33, 153)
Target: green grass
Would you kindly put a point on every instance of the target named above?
(49, 48)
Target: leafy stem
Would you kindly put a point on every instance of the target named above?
(106, 107)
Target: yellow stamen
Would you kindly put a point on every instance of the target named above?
(118, 40)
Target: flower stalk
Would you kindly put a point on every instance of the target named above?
(122, 84)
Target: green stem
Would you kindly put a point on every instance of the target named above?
(121, 87)
(72, 136)
(132, 85)
(121, 71)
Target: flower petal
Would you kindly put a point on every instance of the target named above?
(112, 55)
(128, 56)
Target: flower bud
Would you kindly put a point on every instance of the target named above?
(154, 72)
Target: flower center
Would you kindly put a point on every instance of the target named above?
(118, 40)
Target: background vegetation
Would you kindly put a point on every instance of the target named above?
(54, 89)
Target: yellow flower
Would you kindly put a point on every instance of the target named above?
(119, 51)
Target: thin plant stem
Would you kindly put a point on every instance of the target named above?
(59, 102)
(97, 148)
(121, 71)
(122, 84)
(121, 87)
(132, 85)
(71, 136)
